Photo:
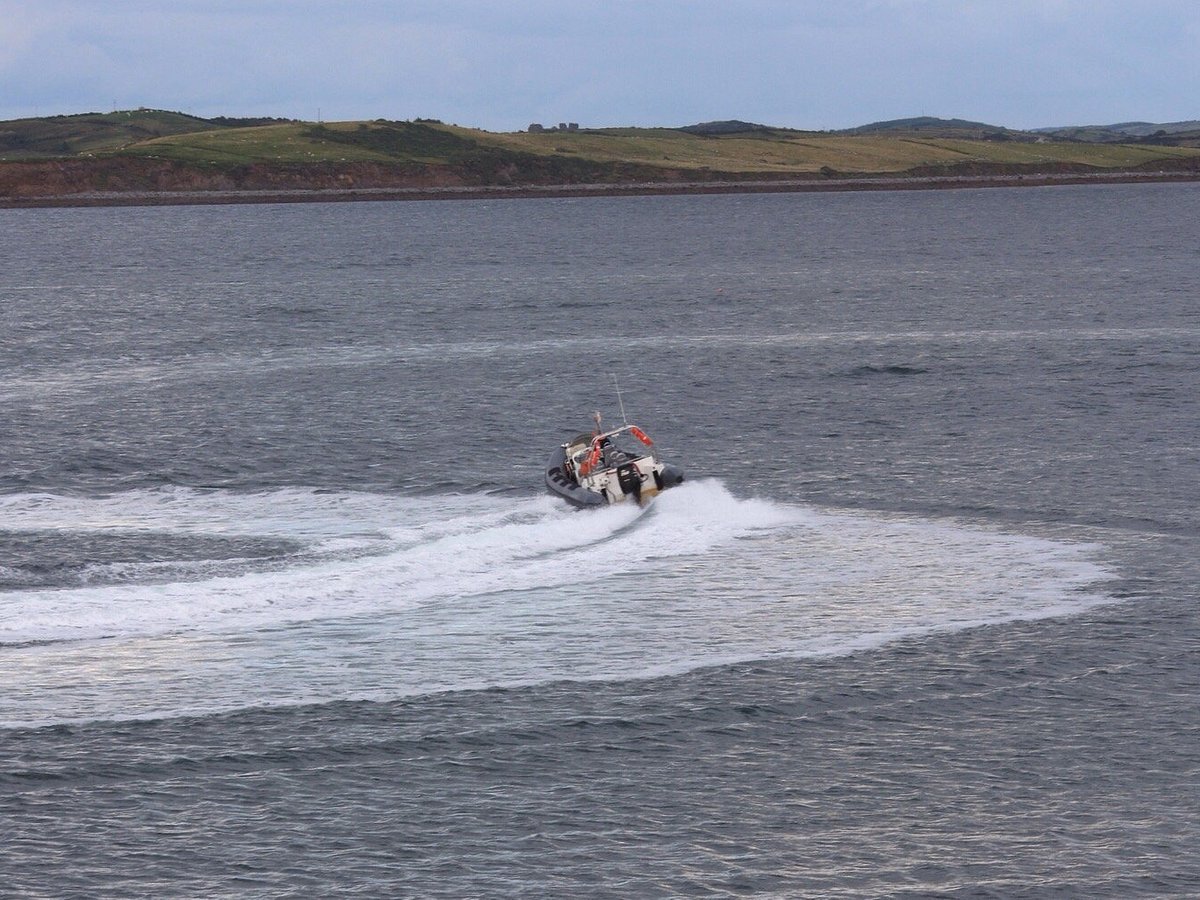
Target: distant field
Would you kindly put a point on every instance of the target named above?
(784, 152)
(288, 143)
(775, 153)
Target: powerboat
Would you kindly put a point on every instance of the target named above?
(605, 467)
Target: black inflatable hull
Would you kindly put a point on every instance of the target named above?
(562, 486)
(671, 476)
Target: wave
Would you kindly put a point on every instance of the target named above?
(111, 375)
(394, 596)
(869, 370)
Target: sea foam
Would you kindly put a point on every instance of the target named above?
(391, 596)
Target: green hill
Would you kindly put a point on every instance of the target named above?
(1179, 133)
(725, 148)
(91, 132)
(780, 153)
(153, 150)
(729, 126)
(930, 126)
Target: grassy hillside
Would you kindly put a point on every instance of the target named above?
(760, 153)
(91, 132)
(1158, 132)
(293, 142)
(479, 157)
(930, 126)
(154, 150)
(782, 152)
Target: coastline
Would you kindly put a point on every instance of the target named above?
(623, 189)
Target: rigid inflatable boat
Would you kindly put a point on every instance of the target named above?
(606, 467)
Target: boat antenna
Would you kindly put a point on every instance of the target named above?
(620, 402)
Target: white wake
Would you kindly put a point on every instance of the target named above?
(394, 596)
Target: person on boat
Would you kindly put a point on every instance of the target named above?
(606, 451)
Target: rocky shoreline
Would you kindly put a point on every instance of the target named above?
(812, 184)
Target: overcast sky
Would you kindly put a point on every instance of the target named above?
(501, 64)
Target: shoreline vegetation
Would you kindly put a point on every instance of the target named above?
(151, 157)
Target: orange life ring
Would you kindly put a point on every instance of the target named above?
(590, 462)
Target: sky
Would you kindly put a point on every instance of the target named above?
(501, 65)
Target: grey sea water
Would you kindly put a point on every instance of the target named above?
(284, 610)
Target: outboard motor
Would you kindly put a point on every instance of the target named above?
(630, 480)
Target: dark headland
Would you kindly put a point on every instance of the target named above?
(153, 157)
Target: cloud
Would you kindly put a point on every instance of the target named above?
(502, 65)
